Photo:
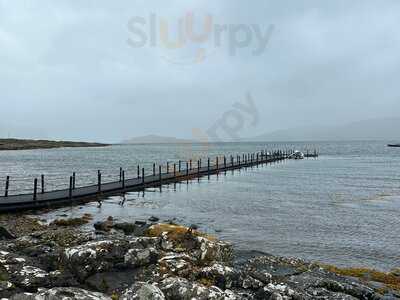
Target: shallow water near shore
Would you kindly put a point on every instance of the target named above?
(342, 208)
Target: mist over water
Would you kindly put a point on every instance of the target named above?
(342, 208)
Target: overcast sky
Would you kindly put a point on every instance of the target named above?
(74, 69)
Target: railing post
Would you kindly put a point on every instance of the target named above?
(120, 174)
(123, 179)
(217, 163)
(42, 182)
(174, 170)
(35, 185)
(187, 169)
(7, 186)
(224, 161)
(198, 168)
(154, 169)
(70, 187)
(99, 181)
(142, 175)
(208, 166)
(138, 171)
(160, 173)
(190, 165)
(73, 180)
(167, 167)
(179, 167)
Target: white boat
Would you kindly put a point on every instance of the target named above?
(297, 155)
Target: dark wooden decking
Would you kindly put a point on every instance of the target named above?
(95, 192)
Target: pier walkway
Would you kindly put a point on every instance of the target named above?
(174, 173)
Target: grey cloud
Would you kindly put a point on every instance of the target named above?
(68, 71)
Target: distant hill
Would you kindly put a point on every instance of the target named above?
(156, 139)
(376, 129)
(17, 144)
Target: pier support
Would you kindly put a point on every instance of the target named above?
(35, 186)
(99, 181)
(70, 188)
(42, 183)
(7, 186)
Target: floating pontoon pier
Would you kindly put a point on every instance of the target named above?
(177, 172)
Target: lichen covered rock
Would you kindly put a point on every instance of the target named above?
(168, 262)
(105, 255)
(143, 291)
(62, 294)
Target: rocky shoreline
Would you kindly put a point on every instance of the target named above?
(153, 260)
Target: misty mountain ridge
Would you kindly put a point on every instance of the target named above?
(156, 139)
(374, 129)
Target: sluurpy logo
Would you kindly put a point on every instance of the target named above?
(185, 41)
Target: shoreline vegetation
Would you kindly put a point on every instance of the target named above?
(161, 260)
(22, 144)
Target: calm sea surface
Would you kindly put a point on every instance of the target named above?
(342, 208)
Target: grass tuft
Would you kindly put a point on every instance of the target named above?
(175, 232)
(390, 280)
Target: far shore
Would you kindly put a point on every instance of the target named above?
(21, 144)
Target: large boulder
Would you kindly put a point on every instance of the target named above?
(140, 257)
(177, 264)
(180, 288)
(5, 234)
(142, 291)
(106, 255)
(220, 275)
(22, 273)
(204, 250)
(61, 294)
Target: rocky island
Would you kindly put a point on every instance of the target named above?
(72, 259)
(18, 144)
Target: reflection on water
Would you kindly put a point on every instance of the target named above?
(342, 208)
